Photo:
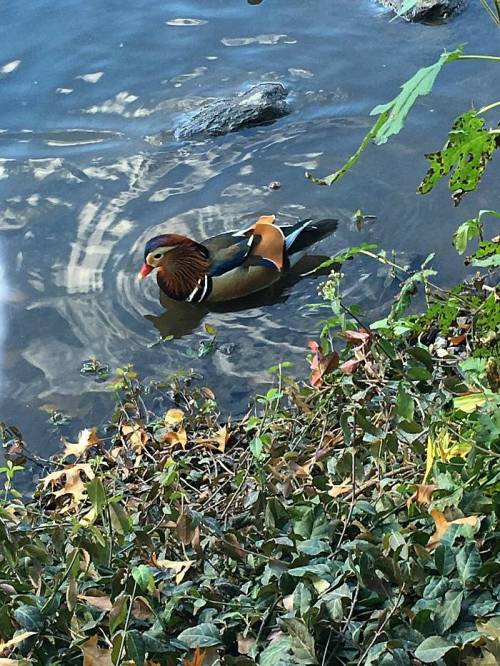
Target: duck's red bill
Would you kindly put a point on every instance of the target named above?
(145, 271)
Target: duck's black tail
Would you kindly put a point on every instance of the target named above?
(304, 234)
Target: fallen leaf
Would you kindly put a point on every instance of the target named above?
(104, 603)
(342, 489)
(456, 340)
(86, 440)
(197, 660)
(174, 416)
(93, 655)
(350, 366)
(422, 494)
(184, 529)
(442, 526)
(135, 436)
(73, 486)
(141, 609)
(245, 644)
(179, 567)
(321, 364)
(174, 437)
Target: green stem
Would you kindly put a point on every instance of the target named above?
(479, 57)
(63, 579)
(127, 622)
(484, 109)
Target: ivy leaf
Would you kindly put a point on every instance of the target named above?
(432, 649)
(144, 578)
(29, 617)
(135, 647)
(468, 563)
(469, 148)
(204, 634)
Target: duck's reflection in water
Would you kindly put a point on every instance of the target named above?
(181, 319)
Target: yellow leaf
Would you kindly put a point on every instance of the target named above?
(180, 568)
(93, 655)
(14, 641)
(468, 402)
(442, 526)
(136, 436)
(86, 440)
(174, 416)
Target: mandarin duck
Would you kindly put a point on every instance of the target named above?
(233, 264)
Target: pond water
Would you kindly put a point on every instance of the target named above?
(84, 84)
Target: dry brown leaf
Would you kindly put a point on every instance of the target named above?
(174, 417)
(86, 440)
(442, 526)
(104, 603)
(456, 340)
(321, 364)
(141, 609)
(245, 644)
(73, 486)
(175, 437)
(180, 568)
(422, 494)
(342, 489)
(184, 529)
(197, 660)
(136, 436)
(93, 655)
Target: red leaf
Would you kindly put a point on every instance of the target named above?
(357, 336)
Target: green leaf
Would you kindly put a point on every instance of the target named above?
(302, 642)
(135, 647)
(405, 405)
(97, 495)
(465, 232)
(29, 618)
(433, 649)
(420, 84)
(203, 635)
(302, 597)
(469, 148)
(444, 559)
(256, 448)
(468, 563)
(144, 578)
(276, 653)
(448, 611)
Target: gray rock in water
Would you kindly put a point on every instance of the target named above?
(427, 10)
(260, 104)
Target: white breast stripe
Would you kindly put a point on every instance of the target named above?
(193, 293)
(205, 288)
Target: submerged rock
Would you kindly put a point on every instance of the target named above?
(427, 10)
(260, 104)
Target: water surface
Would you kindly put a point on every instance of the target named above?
(84, 85)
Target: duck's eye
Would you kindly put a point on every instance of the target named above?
(157, 256)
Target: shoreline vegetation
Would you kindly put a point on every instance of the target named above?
(348, 519)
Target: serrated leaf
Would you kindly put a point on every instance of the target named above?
(419, 85)
(469, 148)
